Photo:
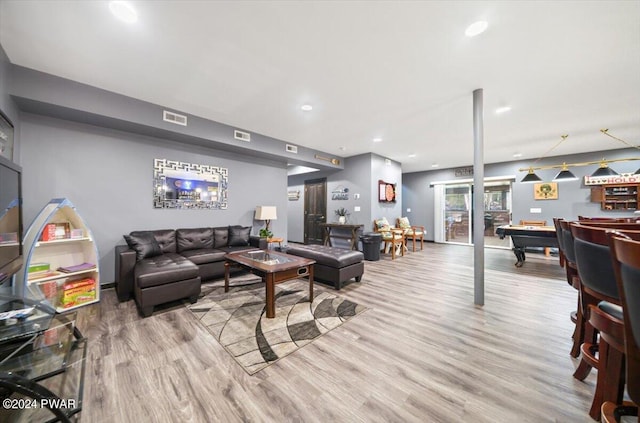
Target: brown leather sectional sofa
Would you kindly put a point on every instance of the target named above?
(167, 265)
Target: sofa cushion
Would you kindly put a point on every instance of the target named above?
(164, 269)
(194, 239)
(167, 240)
(239, 236)
(204, 256)
(220, 237)
(144, 244)
(328, 256)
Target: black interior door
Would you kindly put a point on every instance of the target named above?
(315, 210)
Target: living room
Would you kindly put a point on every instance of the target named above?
(96, 146)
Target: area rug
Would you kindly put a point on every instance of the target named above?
(237, 319)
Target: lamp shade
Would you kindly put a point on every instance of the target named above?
(565, 175)
(266, 213)
(604, 170)
(531, 177)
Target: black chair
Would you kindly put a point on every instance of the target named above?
(626, 265)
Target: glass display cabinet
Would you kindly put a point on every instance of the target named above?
(42, 359)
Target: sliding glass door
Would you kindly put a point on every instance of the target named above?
(458, 212)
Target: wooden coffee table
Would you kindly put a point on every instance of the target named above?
(273, 268)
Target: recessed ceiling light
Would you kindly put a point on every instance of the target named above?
(412, 155)
(504, 109)
(476, 28)
(307, 107)
(435, 165)
(343, 148)
(377, 140)
(517, 155)
(123, 11)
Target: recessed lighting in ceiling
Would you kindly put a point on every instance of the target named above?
(377, 140)
(306, 107)
(412, 155)
(503, 109)
(517, 155)
(476, 28)
(123, 11)
(343, 148)
(435, 165)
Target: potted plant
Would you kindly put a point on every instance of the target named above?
(265, 233)
(342, 214)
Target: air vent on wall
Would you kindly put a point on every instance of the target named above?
(242, 136)
(171, 117)
(292, 149)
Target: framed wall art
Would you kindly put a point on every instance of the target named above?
(6, 137)
(178, 185)
(545, 191)
(386, 192)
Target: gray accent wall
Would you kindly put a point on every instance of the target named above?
(108, 175)
(573, 196)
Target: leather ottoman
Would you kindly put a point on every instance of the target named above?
(333, 265)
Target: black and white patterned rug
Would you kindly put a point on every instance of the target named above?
(237, 319)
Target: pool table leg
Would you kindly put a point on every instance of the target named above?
(519, 252)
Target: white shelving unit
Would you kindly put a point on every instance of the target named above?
(63, 251)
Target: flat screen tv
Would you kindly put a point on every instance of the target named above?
(10, 219)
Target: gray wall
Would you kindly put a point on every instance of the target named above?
(573, 196)
(360, 176)
(107, 175)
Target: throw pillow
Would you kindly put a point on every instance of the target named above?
(144, 244)
(239, 236)
(404, 223)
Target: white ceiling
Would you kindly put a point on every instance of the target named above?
(402, 71)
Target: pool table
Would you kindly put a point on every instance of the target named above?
(528, 236)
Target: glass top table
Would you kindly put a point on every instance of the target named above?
(273, 268)
(266, 257)
(42, 356)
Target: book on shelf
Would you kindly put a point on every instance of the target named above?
(77, 267)
(39, 267)
(40, 275)
(54, 231)
(78, 292)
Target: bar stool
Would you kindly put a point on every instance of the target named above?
(573, 279)
(626, 265)
(603, 313)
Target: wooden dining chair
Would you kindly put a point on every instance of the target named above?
(393, 238)
(625, 255)
(411, 232)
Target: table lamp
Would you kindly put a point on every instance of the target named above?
(266, 213)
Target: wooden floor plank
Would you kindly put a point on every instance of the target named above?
(421, 352)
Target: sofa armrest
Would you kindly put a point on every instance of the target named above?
(125, 263)
(256, 241)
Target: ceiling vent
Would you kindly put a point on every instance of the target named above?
(292, 149)
(242, 136)
(171, 117)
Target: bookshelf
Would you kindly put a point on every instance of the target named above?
(61, 257)
(622, 197)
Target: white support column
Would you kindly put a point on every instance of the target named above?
(478, 197)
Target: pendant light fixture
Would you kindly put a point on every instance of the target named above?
(565, 175)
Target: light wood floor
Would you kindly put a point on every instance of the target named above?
(422, 353)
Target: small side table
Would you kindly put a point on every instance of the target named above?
(274, 240)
